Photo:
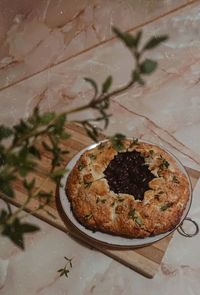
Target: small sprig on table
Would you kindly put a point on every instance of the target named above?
(19, 145)
(66, 269)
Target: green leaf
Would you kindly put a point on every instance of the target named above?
(25, 167)
(155, 41)
(6, 183)
(62, 273)
(57, 158)
(15, 236)
(56, 175)
(46, 118)
(148, 66)
(23, 171)
(92, 131)
(7, 189)
(19, 159)
(59, 124)
(3, 216)
(65, 135)
(8, 208)
(66, 272)
(138, 38)
(127, 38)
(46, 196)
(28, 228)
(137, 78)
(34, 117)
(3, 155)
(93, 84)
(23, 153)
(106, 85)
(91, 134)
(5, 132)
(22, 161)
(29, 185)
(46, 146)
(4, 177)
(117, 141)
(34, 151)
(21, 128)
(69, 260)
(16, 230)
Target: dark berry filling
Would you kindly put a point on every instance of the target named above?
(127, 173)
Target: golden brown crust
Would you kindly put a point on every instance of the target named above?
(99, 208)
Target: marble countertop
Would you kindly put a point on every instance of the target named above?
(47, 47)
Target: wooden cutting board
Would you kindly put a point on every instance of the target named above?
(145, 260)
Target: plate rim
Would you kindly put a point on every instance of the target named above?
(89, 234)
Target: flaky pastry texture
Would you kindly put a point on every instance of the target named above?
(100, 209)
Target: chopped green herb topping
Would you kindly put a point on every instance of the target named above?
(175, 179)
(134, 215)
(80, 167)
(131, 213)
(158, 195)
(166, 206)
(164, 164)
(98, 200)
(151, 152)
(135, 141)
(92, 157)
(87, 184)
(113, 203)
(120, 199)
(88, 216)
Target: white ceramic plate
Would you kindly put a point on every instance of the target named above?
(108, 238)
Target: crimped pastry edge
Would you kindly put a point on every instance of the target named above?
(81, 203)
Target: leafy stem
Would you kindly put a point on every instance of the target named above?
(22, 146)
(66, 269)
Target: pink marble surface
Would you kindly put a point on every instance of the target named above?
(165, 111)
(30, 29)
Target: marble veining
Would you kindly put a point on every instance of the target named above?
(64, 29)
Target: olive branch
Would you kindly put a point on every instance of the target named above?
(19, 152)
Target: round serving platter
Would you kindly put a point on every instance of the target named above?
(105, 238)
